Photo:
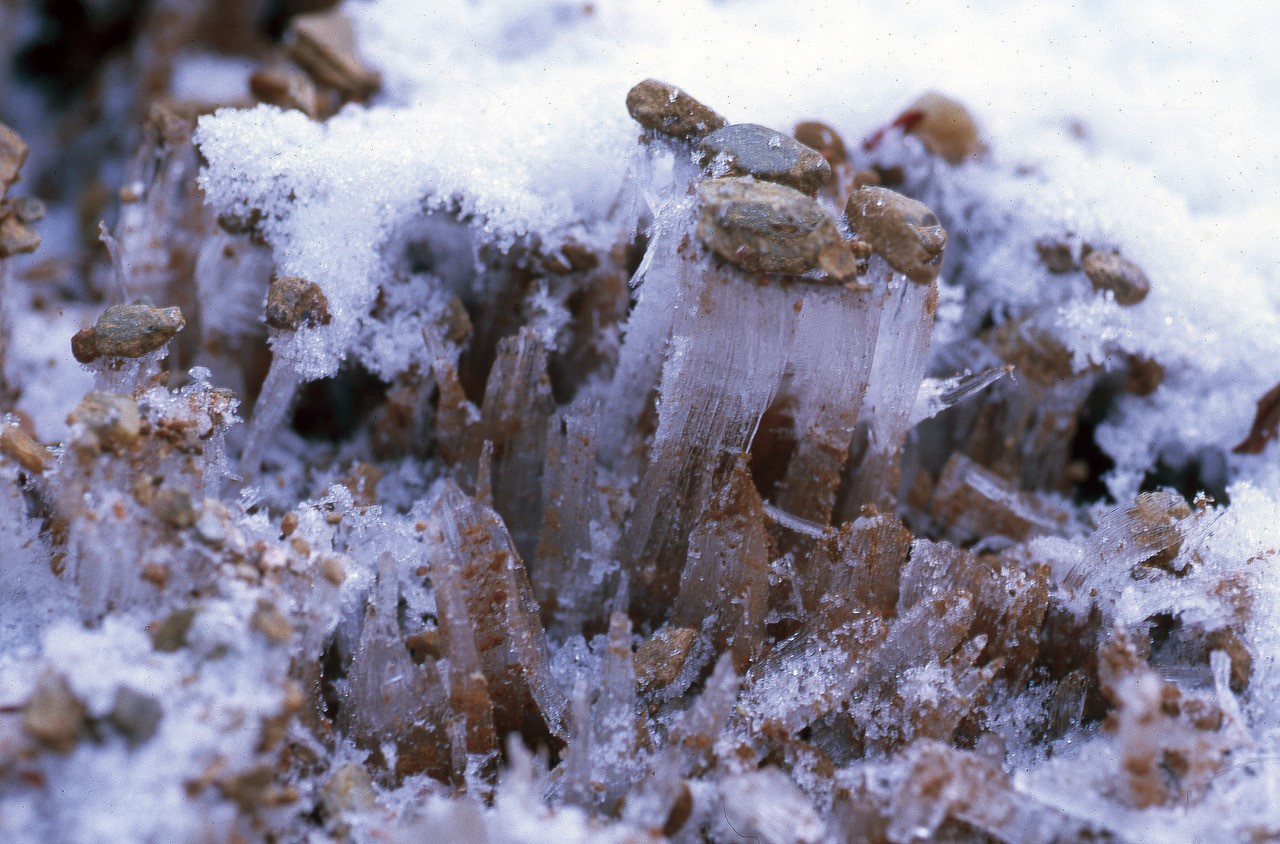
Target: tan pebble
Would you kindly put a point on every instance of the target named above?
(826, 140)
(53, 715)
(112, 418)
(348, 789)
(16, 237)
(944, 125)
(288, 524)
(769, 228)
(294, 303)
(170, 633)
(286, 87)
(270, 622)
(1124, 278)
(13, 152)
(173, 507)
(1055, 255)
(29, 454)
(331, 569)
(905, 232)
(660, 658)
(324, 44)
(667, 109)
(155, 574)
(127, 331)
(749, 149)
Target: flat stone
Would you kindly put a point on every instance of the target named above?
(770, 228)
(1124, 278)
(753, 150)
(667, 109)
(905, 232)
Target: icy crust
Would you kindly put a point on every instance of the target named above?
(505, 163)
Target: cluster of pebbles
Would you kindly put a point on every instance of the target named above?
(721, 559)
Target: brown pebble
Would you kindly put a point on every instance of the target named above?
(136, 715)
(111, 417)
(331, 569)
(173, 507)
(1124, 278)
(865, 178)
(905, 232)
(1266, 423)
(944, 126)
(769, 228)
(16, 237)
(667, 109)
(286, 87)
(660, 658)
(324, 44)
(1229, 642)
(1144, 376)
(1055, 255)
(288, 524)
(170, 634)
(155, 574)
(13, 152)
(817, 135)
(127, 331)
(53, 715)
(29, 454)
(270, 622)
(580, 257)
(294, 303)
(749, 149)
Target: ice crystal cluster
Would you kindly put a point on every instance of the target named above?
(630, 420)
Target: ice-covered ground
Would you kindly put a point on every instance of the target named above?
(501, 129)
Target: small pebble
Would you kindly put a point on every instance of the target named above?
(17, 237)
(905, 232)
(127, 331)
(173, 507)
(136, 715)
(753, 150)
(171, 633)
(294, 303)
(820, 136)
(111, 417)
(769, 228)
(29, 454)
(944, 126)
(54, 716)
(13, 152)
(324, 44)
(1124, 278)
(349, 789)
(1056, 255)
(286, 87)
(270, 622)
(667, 109)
